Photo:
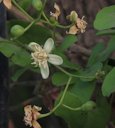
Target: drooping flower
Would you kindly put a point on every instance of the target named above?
(57, 12)
(79, 24)
(73, 30)
(7, 3)
(42, 56)
(31, 116)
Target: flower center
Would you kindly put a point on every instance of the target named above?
(40, 57)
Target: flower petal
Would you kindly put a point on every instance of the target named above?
(49, 44)
(7, 3)
(44, 70)
(35, 47)
(55, 59)
(36, 124)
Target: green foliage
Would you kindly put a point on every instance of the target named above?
(17, 54)
(80, 92)
(68, 41)
(60, 79)
(106, 32)
(83, 90)
(105, 18)
(97, 118)
(108, 86)
(35, 34)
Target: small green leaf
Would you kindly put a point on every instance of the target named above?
(68, 41)
(107, 52)
(106, 32)
(108, 86)
(105, 19)
(17, 54)
(95, 54)
(60, 79)
(21, 58)
(7, 48)
(83, 90)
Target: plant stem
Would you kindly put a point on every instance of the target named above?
(62, 26)
(22, 10)
(45, 17)
(60, 102)
(70, 108)
(33, 22)
(73, 75)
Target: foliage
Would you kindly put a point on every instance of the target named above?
(78, 84)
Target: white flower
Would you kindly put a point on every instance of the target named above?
(42, 56)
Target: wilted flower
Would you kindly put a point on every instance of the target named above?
(73, 30)
(7, 3)
(79, 24)
(56, 13)
(31, 116)
(42, 55)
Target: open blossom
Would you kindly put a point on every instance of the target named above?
(56, 13)
(31, 116)
(42, 56)
(79, 24)
(7, 3)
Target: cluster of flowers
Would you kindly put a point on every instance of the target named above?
(79, 25)
(42, 55)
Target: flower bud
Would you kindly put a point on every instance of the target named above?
(53, 20)
(88, 106)
(37, 4)
(73, 16)
(17, 30)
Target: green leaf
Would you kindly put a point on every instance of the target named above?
(95, 54)
(105, 18)
(106, 32)
(97, 118)
(69, 40)
(74, 119)
(21, 58)
(7, 48)
(99, 54)
(83, 90)
(60, 79)
(107, 52)
(108, 86)
(17, 54)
